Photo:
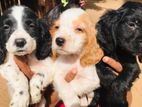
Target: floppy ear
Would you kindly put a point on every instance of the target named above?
(2, 44)
(92, 53)
(44, 42)
(2, 48)
(105, 32)
(2, 54)
(106, 29)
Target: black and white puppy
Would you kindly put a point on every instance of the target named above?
(22, 33)
(120, 35)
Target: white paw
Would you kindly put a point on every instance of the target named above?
(35, 96)
(35, 91)
(20, 99)
(90, 97)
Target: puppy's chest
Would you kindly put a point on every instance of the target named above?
(9, 68)
(40, 65)
(63, 66)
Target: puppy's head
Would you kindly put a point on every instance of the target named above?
(122, 29)
(23, 33)
(76, 36)
(52, 16)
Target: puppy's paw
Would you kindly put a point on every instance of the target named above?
(35, 97)
(35, 89)
(35, 94)
(20, 99)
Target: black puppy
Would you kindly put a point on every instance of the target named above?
(120, 36)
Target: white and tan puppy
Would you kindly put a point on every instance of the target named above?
(74, 46)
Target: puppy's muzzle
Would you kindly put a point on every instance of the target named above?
(20, 42)
(60, 41)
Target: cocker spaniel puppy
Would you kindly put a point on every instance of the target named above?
(74, 45)
(120, 36)
(22, 33)
(51, 18)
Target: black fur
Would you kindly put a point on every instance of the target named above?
(120, 36)
(52, 15)
(44, 43)
(36, 29)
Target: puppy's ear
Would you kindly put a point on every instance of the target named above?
(3, 50)
(106, 29)
(44, 42)
(92, 53)
(2, 55)
(52, 15)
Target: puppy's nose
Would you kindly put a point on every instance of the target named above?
(60, 41)
(20, 42)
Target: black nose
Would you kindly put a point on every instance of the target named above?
(20, 42)
(60, 41)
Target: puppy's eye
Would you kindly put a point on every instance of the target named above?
(132, 25)
(31, 25)
(6, 27)
(56, 27)
(79, 29)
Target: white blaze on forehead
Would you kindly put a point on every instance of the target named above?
(74, 41)
(17, 13)
(70, 15)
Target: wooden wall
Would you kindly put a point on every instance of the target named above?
(39, 6)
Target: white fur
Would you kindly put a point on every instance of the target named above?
(74, 41)
(28, 48)
(17, 81)
(17, 13)
(10, 71)
(86, 79)
(38, 83)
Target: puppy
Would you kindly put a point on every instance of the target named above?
(120, 36)
(51, 18)
(74, 46)
(22, 33)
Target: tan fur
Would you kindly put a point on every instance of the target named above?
(52, 31)
(54, 28)
(91, 53)
(54, 55)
